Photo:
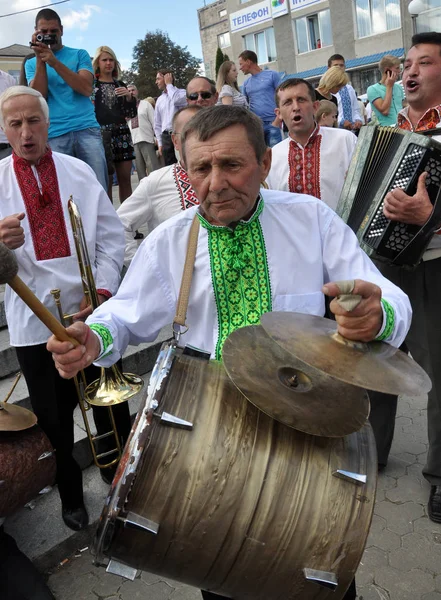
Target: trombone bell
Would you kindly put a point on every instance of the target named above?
(113, 388)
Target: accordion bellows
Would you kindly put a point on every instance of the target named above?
(386, 158)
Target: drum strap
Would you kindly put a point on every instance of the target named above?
(187, 276)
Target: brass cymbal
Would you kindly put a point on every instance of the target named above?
(15, 418)
(374, 366)
(290, 391)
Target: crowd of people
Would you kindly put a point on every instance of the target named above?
(281, 249)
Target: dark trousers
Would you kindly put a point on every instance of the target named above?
(423, 286)
(19, 579)
(168, 150)
(351, 594)
(53, 400)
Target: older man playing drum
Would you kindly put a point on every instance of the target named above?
(257, 251)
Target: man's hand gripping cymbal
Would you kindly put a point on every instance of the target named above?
(363, 322)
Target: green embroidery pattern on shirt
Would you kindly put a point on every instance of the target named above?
(105, 336)
(390, 321)
(240, 276)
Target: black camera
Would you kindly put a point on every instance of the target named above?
(46, 38)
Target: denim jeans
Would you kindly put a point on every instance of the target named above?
(86, 145)
(273, 135)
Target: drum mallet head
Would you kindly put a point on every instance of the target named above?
(8, 264)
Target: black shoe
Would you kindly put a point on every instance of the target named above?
(434, 506)
(75, 518)
(138, 235)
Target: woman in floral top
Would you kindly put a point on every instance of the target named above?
(113, 105)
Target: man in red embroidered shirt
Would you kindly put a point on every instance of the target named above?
(421, 80)
(36, 185)
(312, 160)
(161, 195)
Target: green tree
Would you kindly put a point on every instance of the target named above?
(157, 51)
(219, 59)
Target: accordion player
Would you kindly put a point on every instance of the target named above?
(386, 158)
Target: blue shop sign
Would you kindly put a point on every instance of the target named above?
(253, 15)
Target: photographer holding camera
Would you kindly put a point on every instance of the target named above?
(64, 76)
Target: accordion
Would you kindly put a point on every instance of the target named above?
(386, 158)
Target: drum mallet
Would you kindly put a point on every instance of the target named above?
(8, 274)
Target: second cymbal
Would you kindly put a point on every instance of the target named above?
(15, 418)
(290, 391)
(374, 366)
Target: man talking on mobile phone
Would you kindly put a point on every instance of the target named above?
(386, 97)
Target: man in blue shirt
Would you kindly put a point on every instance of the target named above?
(64, 76)
(260, 91)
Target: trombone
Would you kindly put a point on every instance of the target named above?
(113, 387)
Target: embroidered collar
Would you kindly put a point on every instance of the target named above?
(187, 195)
(45, 162)
(311, 138)
(430, 120)
(43, 207)
(256, 214)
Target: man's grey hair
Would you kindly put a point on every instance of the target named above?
(22, 90)
(209, 121)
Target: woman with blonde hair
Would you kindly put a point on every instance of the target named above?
(114, 103)
(331, 83)
(226, 86)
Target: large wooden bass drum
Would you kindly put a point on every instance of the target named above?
(216, 494)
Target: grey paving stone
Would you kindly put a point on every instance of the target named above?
(399, 517)
(431, 596)
(186, 593)
(409, 488)
(150, 578)
(107, 583)
(416, 552)
(395, 467)
(66, 587)
(137, 590)
(372, 558)
(381, 537)
(429, 529)
(404, 585)
(372, 592)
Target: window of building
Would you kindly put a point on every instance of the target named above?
(313, 31)
(377, 16)
(223, 13)
(224, 39)
(244, 1)
(263, 44)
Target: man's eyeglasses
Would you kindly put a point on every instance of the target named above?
(203, 95)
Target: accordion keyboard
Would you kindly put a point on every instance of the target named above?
(394, 236)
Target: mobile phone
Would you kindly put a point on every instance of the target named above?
(388, 72)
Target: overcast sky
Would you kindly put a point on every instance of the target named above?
(115, 23)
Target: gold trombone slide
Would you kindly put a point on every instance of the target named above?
(113, 387)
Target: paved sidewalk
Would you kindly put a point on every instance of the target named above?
(402, 560)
